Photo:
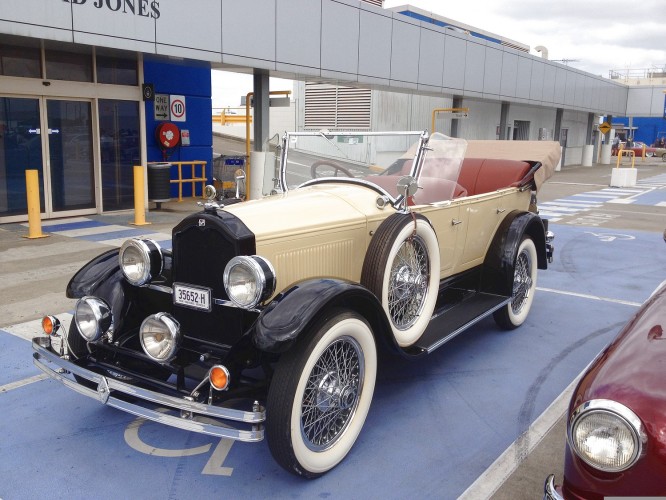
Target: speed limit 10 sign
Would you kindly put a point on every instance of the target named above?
(177, 108)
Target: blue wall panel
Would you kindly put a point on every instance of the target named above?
(647, 129)
(191, 79)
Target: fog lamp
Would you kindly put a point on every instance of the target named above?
(50, 325)
(93, 318)
(219, 377)
(160, 336)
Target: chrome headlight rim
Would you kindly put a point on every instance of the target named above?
(101, 313)
(172, 328)
(151, 256)
(264, 277)
(624, 416)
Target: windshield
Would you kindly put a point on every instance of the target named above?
(376, 159)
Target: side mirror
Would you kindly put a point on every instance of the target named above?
(407, 186)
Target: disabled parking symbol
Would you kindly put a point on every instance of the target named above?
(214, 466)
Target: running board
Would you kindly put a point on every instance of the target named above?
(447, 324)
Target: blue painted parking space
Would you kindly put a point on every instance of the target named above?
(434, 426)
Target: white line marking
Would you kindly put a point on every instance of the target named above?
(21, 383)
(596, 195)
(591, 297)
(560, 208)
(507, 463)
(622, 201)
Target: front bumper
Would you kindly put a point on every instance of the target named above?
(550, 492)
(192, 416)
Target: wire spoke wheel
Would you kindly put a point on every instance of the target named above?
(515, 312)
(331, 393)
(401, 268)
(409, 277)
(320, 394)
(522, 281)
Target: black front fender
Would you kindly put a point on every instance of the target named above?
(290, 313)
(103, 278)
(93, 274)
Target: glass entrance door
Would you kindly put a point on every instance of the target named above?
(54, 137)
(20, 150)
(71, 162)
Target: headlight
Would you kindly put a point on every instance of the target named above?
(606, 435)
(160, 336)
(140, 260)
(93, 318)
(249, 281)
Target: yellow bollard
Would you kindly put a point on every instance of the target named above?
(139, 198)
(34, 218)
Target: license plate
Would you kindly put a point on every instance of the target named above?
(194, 297)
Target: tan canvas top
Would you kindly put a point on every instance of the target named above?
(546, 152)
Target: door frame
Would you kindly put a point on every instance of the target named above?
(43, 89)
(47, 210)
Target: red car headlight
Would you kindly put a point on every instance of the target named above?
(606, 435)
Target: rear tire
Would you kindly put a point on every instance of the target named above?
(320, 395)
(515, 312)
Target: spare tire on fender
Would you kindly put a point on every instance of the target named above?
(402, 268)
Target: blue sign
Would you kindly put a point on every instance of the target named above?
(664, 106)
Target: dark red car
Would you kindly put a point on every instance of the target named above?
(637, 148)
(616, 433)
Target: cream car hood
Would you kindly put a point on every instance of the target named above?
(321, 230)
(307, 210)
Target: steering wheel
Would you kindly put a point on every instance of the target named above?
(327, 163)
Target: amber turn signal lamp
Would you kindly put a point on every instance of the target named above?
(219, 377)
(50, 324)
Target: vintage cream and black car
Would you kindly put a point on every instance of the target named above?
(265, 319)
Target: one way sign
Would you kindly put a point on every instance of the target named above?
(161, 107)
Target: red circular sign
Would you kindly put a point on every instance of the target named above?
(168, 135)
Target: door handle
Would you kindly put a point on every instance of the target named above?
(501, 210)
(455, 222)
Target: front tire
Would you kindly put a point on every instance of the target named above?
(402, 269)
(320, 395)
(515, 312)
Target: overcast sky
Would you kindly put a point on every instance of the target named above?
(601, 35)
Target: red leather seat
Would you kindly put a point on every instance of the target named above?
(479, 175)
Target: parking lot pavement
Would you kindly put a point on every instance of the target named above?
(466, 418)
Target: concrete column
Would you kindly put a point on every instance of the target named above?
(558, 124)
(504, 117)
(590, 125)
(261, 103)
(455, 122)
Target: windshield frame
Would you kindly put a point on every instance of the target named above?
(419, 155)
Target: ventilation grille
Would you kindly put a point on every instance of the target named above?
(332, 107)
